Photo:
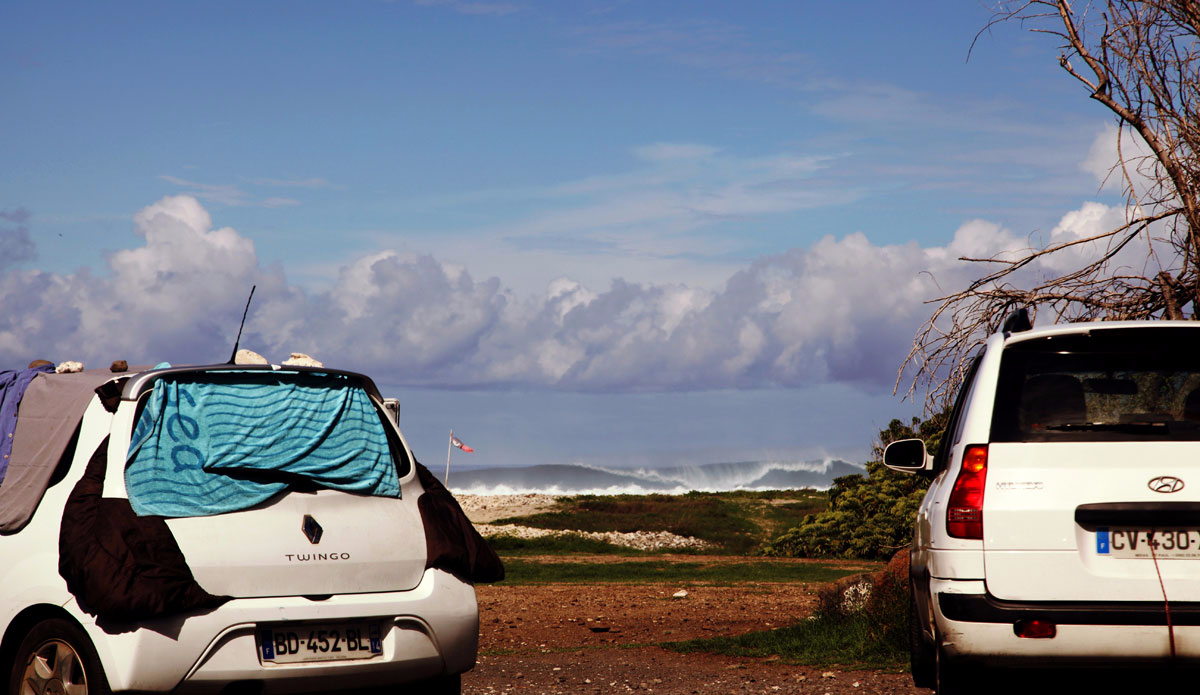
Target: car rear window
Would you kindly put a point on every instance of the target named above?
(214, 443)
(1117, 384)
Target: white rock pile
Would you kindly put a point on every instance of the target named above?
(481, 509)
(641, 540)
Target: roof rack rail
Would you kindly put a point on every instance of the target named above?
(1017, 322)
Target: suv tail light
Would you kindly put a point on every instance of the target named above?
(964, 515)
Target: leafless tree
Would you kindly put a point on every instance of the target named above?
(1140, 60)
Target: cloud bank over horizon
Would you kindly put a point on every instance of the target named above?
(842, 310)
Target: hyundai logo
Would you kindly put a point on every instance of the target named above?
(312, 530)
(1165, 483)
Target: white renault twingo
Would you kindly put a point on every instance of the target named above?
(1062, 525)
(228, 529)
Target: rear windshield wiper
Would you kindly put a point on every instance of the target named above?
(1130, 427)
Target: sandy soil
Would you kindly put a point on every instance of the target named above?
(483, 509)
(598, 639)
(570, 638)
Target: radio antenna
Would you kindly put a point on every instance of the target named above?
(233, 357)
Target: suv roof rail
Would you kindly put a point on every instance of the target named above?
(1017, 322)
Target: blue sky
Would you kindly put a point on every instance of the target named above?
(613, 232)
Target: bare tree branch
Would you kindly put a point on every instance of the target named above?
(1140, 59)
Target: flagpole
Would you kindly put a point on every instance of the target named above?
(449, 447)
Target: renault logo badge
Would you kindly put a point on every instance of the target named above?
(312, 530)
(1165, 484)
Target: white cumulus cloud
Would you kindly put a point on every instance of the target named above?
(1108, 150)
(843, 310)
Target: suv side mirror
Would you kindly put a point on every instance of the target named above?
(907, 456)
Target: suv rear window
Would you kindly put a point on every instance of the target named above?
(1115, 384)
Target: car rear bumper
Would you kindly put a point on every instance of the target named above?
(426, 632)
(978, 627)
(985, 608)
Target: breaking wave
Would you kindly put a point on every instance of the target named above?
(578, 479)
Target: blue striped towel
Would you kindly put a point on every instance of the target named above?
(220, 443)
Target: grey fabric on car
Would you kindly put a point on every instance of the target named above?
(50, 412)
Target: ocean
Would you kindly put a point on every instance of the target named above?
(576, 479)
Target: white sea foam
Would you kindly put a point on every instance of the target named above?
(578, 479)
(561, 491)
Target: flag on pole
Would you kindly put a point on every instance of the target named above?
(454, 442)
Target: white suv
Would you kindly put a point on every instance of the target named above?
(236, 529)
(1062, 525)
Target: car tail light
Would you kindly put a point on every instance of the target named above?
(964, 514)
(1035, 629)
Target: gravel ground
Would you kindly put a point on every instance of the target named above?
(653, 670)
(599, 638)
(562, 638)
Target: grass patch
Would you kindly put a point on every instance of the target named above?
(737, 523)
(569, 544)
(526, 572)
(850, 642)
(850, 627)
(782, 514)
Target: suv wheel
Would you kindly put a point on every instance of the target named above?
(57, 657)
(922, 655)
(948, 675)
(446, 685)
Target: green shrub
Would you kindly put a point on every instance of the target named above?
(869, 517)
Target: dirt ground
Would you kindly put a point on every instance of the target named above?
(598, 638)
